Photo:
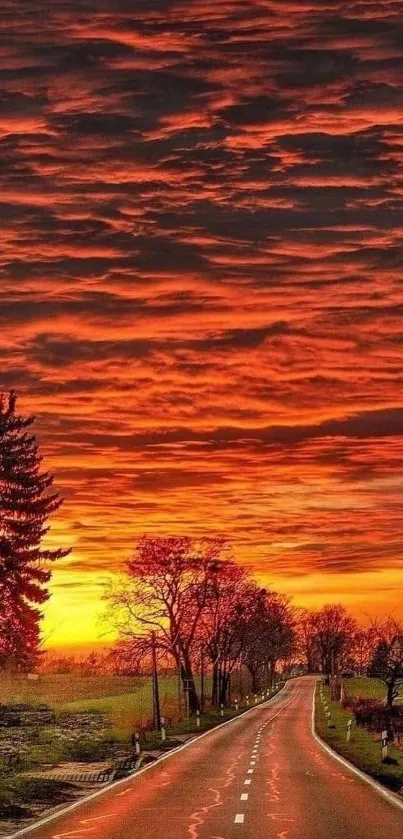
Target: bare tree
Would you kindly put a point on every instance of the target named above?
(165, 591)
(305, 642)
(333, 633)
(223, 627)
(271, 636)
(387, 662)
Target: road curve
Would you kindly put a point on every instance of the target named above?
(263, 776)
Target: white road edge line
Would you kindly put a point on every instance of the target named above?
(385, 793)
(30, 828)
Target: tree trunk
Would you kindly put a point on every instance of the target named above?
(189, 685)
(390, 695)
(224, 684)
(214, 688)
(255, 680)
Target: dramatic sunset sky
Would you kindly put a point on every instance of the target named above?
(201, 276)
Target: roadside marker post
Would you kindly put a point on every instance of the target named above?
(384, 744)
(255, 699)
(247, 701)
(163, 730)
(137, 747)
(236, 705)
(262, 696)
(329, 719)
(197, 718)
(349, 727)
(222, 709)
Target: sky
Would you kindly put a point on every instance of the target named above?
(201, 226)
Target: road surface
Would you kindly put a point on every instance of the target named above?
(263, 776)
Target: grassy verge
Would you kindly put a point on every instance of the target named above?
(362, 750)
(132, 711)
(210, 719)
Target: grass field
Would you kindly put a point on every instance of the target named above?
(368, 688)
(363, 750)
(64, 688)
(131, 710)
(127, 700)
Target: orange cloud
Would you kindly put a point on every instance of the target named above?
(201, 236)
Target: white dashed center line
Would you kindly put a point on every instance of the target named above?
(248, 781)
(244, 796)
(250, 771)
(239, 818)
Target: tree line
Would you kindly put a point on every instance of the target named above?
(195, 603)
(186, 600)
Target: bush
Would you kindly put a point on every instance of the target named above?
(373, 715)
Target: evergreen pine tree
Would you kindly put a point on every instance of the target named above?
(378, 668)
(26, 503)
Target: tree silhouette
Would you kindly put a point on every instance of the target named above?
(270, 636)
(25, 507)
(231, 597)
(333, 631)
(387, 662)
(166, 591)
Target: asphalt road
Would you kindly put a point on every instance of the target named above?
(263, 776)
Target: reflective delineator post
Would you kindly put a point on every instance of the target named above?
(222, 709)
(236, 705)
(247, 701)
(163, 730)
(384, 744)
(349, 727)
(197, 718)
(137, 747)
(255, 699)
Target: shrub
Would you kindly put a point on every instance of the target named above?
(373, 715)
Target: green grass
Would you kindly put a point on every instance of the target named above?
(363, 750)
(134, 710)
(127, 700)
(367, 688)
(51, 689)
(208, 720)
(128, 711)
